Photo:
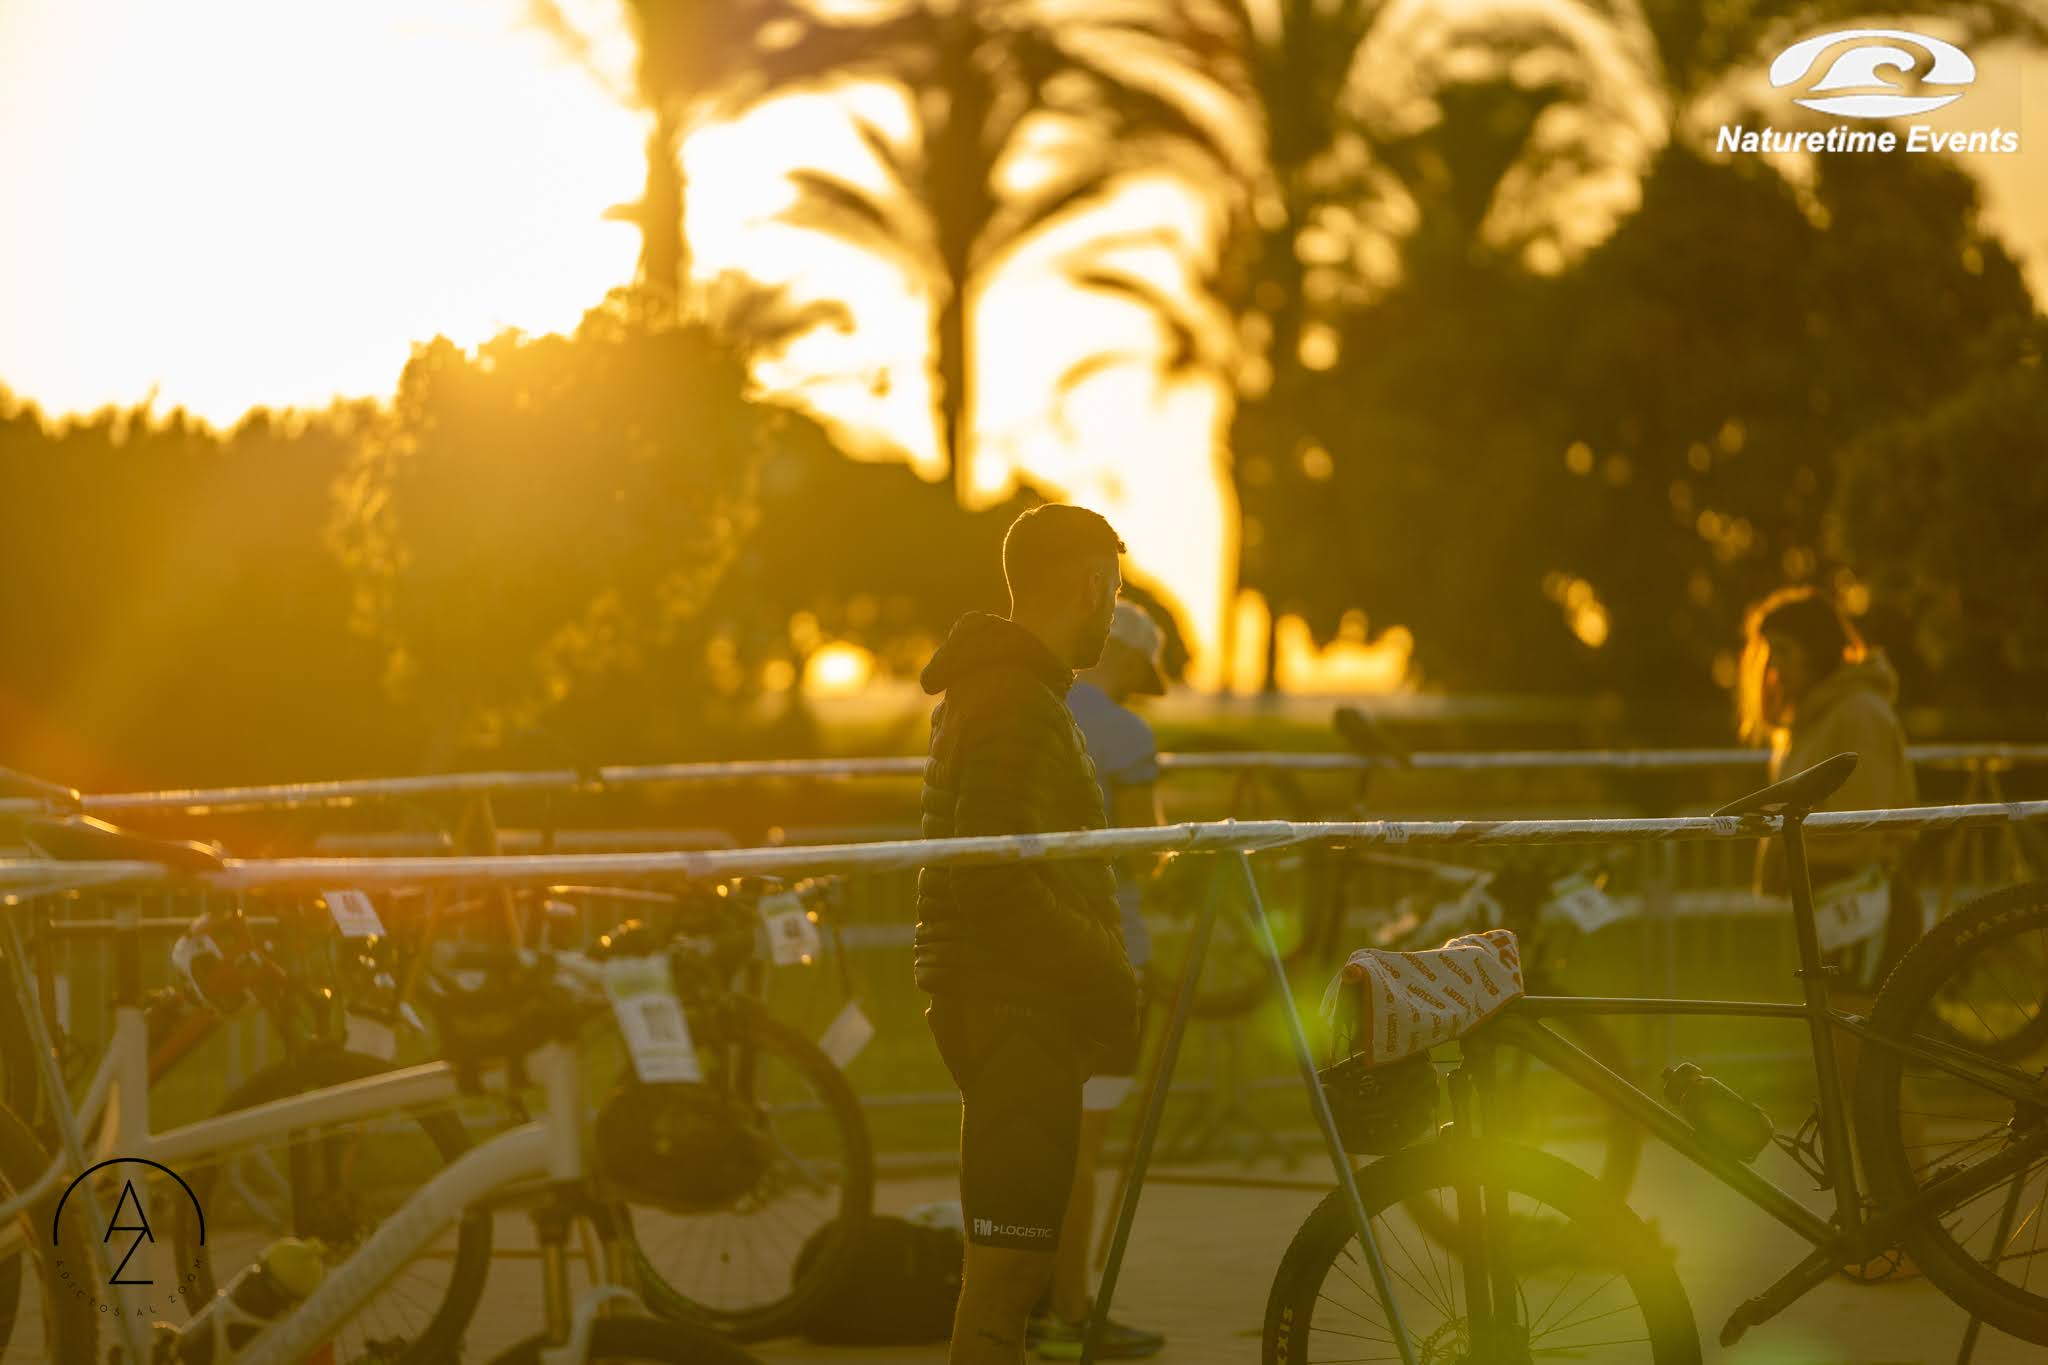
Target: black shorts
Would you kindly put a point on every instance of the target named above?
(1020, 1074)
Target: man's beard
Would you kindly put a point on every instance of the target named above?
(1089, 644)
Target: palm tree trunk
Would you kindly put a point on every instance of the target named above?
(951, 375)
(664, 253)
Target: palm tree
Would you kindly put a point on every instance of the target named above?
(693, 63)
(1099, 90)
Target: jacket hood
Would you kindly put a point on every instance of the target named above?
(980, 641)
(1872, 673)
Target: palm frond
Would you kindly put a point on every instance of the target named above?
(825, 203)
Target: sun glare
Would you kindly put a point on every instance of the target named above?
(252, 204)
(240, 202)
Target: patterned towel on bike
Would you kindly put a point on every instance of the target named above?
(1394, 1005)
(1852, 909)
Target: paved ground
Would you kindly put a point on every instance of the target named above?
(1202, 1260)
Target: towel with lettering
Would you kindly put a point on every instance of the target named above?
(1409, 1002)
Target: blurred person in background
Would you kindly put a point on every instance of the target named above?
(1126, 759)
(1024, 962)
(1810, 689)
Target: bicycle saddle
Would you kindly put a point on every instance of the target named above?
(81, 838)
(1798, 794)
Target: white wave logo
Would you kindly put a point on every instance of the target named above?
(1860, 66)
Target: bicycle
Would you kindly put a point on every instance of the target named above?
(1548, 906)
(789, 1138)
(494, 1007)
(801, 1160)
(1531, 1230)
(230, 961)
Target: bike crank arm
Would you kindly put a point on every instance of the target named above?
(1848, 1248)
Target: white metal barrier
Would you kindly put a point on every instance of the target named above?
(21, 877)
(300, 795)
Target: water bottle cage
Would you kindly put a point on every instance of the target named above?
(1804, 1149)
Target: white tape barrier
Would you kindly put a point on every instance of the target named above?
(20, 878)
(298, 795)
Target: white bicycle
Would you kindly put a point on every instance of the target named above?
(504, 1014)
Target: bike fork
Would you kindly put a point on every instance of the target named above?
(1485, 1235)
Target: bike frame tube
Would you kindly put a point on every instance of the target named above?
(1836, 1152)
(392, 1092)
(513, 1158)
(1520, 1027)
(551, 1148)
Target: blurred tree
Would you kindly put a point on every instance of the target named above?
(1022, 113)
(548, 511)
(174, 617)
(1941, 513)
(1577, 482)
(1399, 127)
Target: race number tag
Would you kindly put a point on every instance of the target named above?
(792, 933)
(651, 1018)
(353, 914)
(1852, 910)
(849, 1032)
(1579, 899)
(372, 1037)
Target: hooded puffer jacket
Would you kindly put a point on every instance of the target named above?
(1007, 758)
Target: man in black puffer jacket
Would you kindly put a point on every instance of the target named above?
(1024, 961)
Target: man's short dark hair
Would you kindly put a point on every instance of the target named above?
(1049, 537)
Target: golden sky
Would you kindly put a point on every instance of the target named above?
(224, 203)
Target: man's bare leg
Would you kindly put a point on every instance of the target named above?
(1077, 1229)
(998, 1289)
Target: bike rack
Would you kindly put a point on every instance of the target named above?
(1254, 910)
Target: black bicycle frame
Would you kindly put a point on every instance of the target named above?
(1849, 1237)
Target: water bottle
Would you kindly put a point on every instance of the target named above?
(286, 1272)
(1727, 1121)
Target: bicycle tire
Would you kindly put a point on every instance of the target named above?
(1607, 1228)
(785, 1312)
(440, 1339)
(21, 1084)
(70, 1324)
(1621, 1137)
(1914, 988)
(624, 1341)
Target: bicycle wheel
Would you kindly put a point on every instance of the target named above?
(1529, 1093)
(1235, 976)
(336, 1183)
(60, 1325)
(623, 1341)
(20, 1083)
(741, 1268)
(1979, 977)
(1591, 1282)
